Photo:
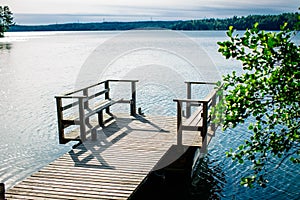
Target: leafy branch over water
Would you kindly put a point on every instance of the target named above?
(268, 93)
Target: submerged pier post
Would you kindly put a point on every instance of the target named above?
(2, 191)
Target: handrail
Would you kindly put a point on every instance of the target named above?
(209, 101)
(123, 80)
(88, 87)
(206, 99)
(200, 83)
(189, 92)
(69, 97)
(191, 100)
(82, 102)
(96, 84)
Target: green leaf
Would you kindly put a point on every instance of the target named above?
(230, 31)
(267, 93)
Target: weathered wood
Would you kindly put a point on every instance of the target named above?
(179, 123)
(60, 120)
(112, 167)
(205, 120)
(196, 118)
(86, 110)
(70, 97)
(107, 96)
(133, 99)
(189, 96)
(114, 160)
(201, 119)
(87, 98)
(213, 104)
(200, 82)
(82, 120)
(2, 191)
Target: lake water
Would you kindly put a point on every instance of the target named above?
(34, 67)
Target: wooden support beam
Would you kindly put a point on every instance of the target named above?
(60, 120)
(213, 104)
(189, 96)
(179, 123)
(82, 120)
(100, 118)
(133, 99)
(205, 118)
(106, 86)
(2, 191)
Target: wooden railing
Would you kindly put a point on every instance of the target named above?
(82, 98)
(201, 118)
(189, 94)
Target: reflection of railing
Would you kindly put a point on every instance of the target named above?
(201, 118)
(86, 110)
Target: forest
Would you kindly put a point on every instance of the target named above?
(266, 22)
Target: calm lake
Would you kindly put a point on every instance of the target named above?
(36, 66)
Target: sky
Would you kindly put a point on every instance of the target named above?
(66, 11)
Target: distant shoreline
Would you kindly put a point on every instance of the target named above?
(267, 22)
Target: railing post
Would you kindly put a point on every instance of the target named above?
(213, 104)
(179, 123)
(189, 96)
(133, 99)
(106, 87)
(86, 103)
(2, 191)
(205, 118)
(60, 119)
(220, 100)
(204, 146)
(81, 119)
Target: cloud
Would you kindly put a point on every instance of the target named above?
(130, 10)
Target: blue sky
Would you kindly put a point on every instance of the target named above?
(64, 11)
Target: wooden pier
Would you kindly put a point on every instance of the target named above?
(114, 157)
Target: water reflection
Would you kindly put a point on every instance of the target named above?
(5, 46)
(208, 181)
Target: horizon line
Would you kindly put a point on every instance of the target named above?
(136, 21)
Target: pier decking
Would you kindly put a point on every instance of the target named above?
(111, 167)
(116, 152)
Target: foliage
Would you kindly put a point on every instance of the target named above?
(266, 22)
(104, 26)
(6, 19)
(267, 93)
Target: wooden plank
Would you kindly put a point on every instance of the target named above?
(104, 172)
(101, 179)
(62, 195)
(95, 177)
(102, 106)
(77, 183)
(195, 118)
(80, 190)
(113, 170)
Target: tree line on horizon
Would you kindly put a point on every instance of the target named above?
(266, 22)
